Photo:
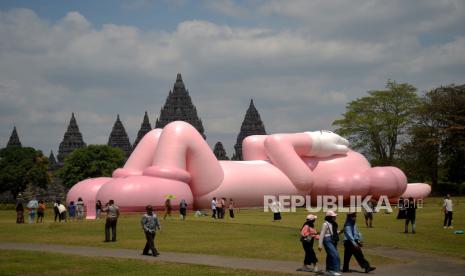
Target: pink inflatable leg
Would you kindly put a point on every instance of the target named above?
(285, 151)
(184, 155)
(142, 156)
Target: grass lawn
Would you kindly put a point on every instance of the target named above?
(252, 234)
(15, 262)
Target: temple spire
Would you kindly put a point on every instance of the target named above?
(252, 125)
(179, 107)
(53, 165)
(14, 139)
(220, 152)
(71, 140)
(145, 127)
(119, 138)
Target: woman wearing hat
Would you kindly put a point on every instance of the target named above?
(329, 238)
(307, 235)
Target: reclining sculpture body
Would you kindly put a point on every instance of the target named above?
(177, 161)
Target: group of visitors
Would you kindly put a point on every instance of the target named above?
(34, 208)
(218, 207)
(169, 208)
(328, 239)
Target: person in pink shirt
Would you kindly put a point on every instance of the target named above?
(307, 236)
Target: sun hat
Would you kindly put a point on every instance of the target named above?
(311, 217)
(331, 214)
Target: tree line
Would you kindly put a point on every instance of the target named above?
(424, 134)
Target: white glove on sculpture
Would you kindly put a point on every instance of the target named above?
(326, 143)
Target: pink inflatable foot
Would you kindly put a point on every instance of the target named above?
(417, 190)
(134, 193)
(87, 190)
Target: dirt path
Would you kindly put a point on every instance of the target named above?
(418, 263)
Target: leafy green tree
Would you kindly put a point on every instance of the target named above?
(20, 166)
(90, 161)
(375, 123)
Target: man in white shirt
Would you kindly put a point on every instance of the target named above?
(447, 207)
(213, 207)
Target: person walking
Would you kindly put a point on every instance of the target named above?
(40, 212)
(72, 211)
(80, 209)
(183, 209)
(447, 208)
(411, 215)
(168, 208)
(112, 218)
(19, 209)
(213, 207)
(150, 224)
(353, 245)
(308, 235)
(231, 208)
(329, 237)
(98, 209)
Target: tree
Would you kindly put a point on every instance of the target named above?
(20, 166)
(376, 122)
(90, 161)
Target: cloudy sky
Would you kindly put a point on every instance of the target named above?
(301, 61)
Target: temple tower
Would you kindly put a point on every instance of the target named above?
(14, 139)
(53, 165)
(71, 141)
(252, 125)
(145, 127)
(119, 138)
(220, 152)
(179, 107)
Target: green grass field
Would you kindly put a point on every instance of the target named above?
(252, 234)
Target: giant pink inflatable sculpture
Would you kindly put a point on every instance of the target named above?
(177, 161)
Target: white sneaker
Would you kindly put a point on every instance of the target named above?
(315, 269)
(336, 274)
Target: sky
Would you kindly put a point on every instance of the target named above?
(300, 61)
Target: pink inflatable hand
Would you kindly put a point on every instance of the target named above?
(326, 143)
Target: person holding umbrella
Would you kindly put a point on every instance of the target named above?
(168, 206)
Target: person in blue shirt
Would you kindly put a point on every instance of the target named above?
(353, 245)
(150, 224)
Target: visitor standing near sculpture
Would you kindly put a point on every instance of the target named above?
(447, 208)
(98, 209)
(112, 218)
(329, 237)
(72, 211)
(32, 206)
(213, 207)
(80, 209)
(231, 208)
(368, 213)
(308, 235)
(41, 211)
(353, 245)
(219, 208)
(150, 224)
(276, 209)
(168, 208)
(19, 209)
(411, 215)
(183, 209)
(62, 211)
(55, 209)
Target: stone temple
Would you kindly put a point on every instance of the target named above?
(119, 138)
(144, 129)
(179, 107)
(220, 152)
(252, 125)
(71, 140)
(14, 139)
